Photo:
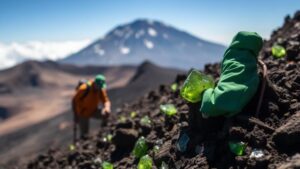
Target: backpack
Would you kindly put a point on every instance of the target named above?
(87, 90)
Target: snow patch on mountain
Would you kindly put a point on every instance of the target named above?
(148, 44)
(124, 50)
(139, 33)
(118, 33)
(128, 34)
(152, 32)
(98, 50)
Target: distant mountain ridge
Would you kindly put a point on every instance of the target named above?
(148, 76)
(37, 73)
(148, 40)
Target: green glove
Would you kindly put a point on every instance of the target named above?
(239, 78)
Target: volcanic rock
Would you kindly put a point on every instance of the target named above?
(287, 137)
(125, 137)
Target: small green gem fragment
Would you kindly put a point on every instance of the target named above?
(72, 147)
(237, 148)
(140, 147)
(145, 121)
(145, 162)
(168, 109)
(174, 87)
(107, 165)
(133, 114)
(278, 51)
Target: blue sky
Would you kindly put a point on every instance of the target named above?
(61, 20)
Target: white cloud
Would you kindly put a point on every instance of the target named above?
(13, 53)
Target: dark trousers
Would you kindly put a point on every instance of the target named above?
(84, 123)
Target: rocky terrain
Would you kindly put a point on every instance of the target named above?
(36, 106)
(272, 139)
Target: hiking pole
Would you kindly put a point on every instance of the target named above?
(263, 65)
(74, 128)
(74, 123)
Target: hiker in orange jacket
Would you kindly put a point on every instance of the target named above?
(86, 103)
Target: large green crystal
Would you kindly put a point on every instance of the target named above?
(194, 86)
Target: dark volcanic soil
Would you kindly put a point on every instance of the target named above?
(276, 131)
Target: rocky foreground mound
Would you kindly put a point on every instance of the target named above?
(272, 139)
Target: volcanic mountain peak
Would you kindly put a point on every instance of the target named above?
(141, 40)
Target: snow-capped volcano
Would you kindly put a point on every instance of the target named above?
(148, 40)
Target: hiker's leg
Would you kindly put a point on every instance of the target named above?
(84, 126)
(97, 115)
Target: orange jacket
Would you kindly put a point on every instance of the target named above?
(85, 103)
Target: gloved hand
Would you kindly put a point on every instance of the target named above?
(105, 112)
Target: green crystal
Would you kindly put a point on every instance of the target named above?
(72, 147)
(156, 148)
(140, 147)
(237, 148)
(107, 165)
(182, 142)
(122, 119)
(168, 109)
(164, 166)
(145, 162)
(194, 86)
(174, 87)
(109, 137)
(133, 114)
(145, 120)
(278, 51)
